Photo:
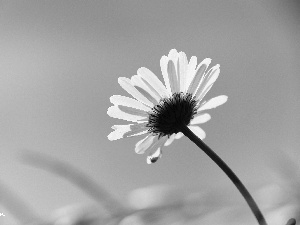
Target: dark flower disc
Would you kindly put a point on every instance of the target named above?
(166, 117)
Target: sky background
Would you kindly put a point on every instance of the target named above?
(59, 64)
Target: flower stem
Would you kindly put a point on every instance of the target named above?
(253, 206)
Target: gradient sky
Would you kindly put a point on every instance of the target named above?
(59, 64)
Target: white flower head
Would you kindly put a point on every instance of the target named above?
(158, 110)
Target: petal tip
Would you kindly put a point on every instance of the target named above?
(109, 138)
(206, 61)
(109, 110)
(113, 136)
(152, 159)
(173, 50)
(224, 98)
(121, 78)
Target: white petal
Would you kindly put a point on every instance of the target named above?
(208, 81)
(202, 93)
(164, 67)
(179, 135)
(135, 133)
(173, 55)
(198, 131)
(115, 135)
(201, 118)
(126, 84)
(183, 64)
(173, 77)
(198, 78)
(170, 140)
(119, 132)
(147, 95)
(213, 76)
(152, 79)
(213, 103)
(137, 129)
(138, 81)
(122, 127)
(130, 102)
(191, 70)
(155, 156)
(115, 112)
(133, 111)
(144, 144)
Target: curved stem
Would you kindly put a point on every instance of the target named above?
(253, 206)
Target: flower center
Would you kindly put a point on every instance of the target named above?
(166, 117)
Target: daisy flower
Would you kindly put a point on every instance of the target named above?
(163, 113)
(159, 111)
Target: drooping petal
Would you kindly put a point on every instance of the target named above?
(126, 84)
(200, 118)
(183, 64)
(173, 77)
(129, 102)
(207, 82)
(155, 156)
(164, 70)
(198, 131)
(194, 85)
(152, 79)
(213, 103)
(115, 112)
(170, 140)
(155, 150)
(142, 145)
(138, 81)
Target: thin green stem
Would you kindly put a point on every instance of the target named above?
(253, 206)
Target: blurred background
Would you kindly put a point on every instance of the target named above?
(59, 64)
